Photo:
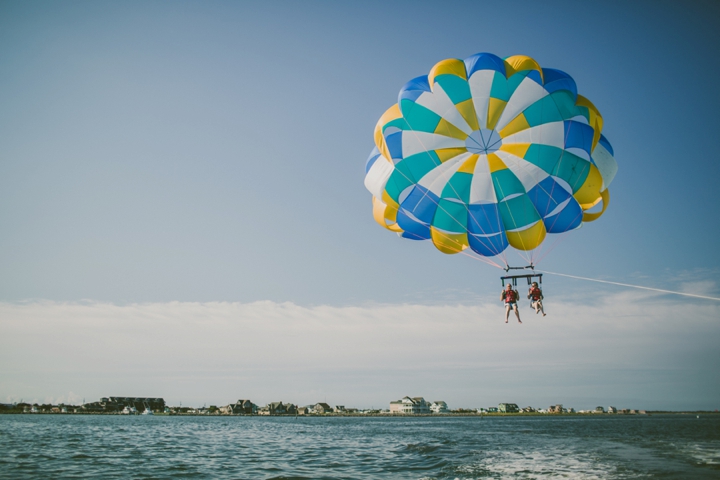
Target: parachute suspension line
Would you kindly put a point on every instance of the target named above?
(634, 286)
(490, 246)
(515, 224)
(549, 194)
(457, 245)
(560, 238)
(474, 257)
(437, 204)
(471, 215)
(525, 253)
(547, 206)
(546, 249)
(530, 252)
(481, 259)
(544, 252)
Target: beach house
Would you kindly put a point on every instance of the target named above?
(279, 408)
(322, 408)
(414, 405)
(439, 406)
(241, 407)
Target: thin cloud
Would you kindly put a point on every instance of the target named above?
(214, 352)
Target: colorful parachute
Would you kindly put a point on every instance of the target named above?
(489, 152)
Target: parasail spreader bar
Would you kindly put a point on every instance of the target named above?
(529, 276)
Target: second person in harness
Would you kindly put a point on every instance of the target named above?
(536, 296)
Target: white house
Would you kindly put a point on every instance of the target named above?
(412, 405)
(439, 406)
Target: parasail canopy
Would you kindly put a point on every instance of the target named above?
(488, 153)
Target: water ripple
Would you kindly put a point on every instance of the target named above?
(165, 447)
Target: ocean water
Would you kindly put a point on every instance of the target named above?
(591, 447)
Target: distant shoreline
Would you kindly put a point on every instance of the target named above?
(382, 415)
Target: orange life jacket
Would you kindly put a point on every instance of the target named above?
(535, 293)
(509, 296)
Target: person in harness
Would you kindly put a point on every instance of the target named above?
(536, 296)
(510, 297)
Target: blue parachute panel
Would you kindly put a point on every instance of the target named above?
(421, 203)
(578, 135)
(568, 219)
(488, 246)
(484, 61)
(547, 195)
(558, 80)
(484, 219)
(414, 88)
(412, 228)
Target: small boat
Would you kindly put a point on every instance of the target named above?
(128, 411)
(147, 411)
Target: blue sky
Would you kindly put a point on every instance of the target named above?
(183, 153)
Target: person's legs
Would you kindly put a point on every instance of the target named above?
(507, 312)
(517, 312)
